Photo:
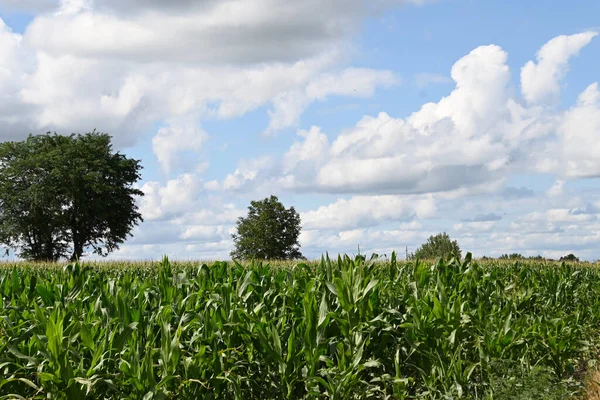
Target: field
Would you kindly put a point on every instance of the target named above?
(348, 328)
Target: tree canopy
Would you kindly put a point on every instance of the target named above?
(60, 195)
(438, 246)
(268, 232)
(512, 256)
(570, 257)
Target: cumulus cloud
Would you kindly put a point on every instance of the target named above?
(162, 202)
(468, 140)
(403, 173)
(175, 137)
(540, 82)
(579, 136)
(225, 31)
(381, 241)
(367, 211)
(355, 82)
(443, 146)
(44, 91)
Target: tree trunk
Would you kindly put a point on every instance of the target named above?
(77, 248)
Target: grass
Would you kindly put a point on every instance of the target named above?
(349, 328)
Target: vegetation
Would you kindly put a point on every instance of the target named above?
(339, 329)
(62, 194)
(570, 257)
(512, 256)
(438, 246)
(269, 232)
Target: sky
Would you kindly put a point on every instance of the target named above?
(381, 121)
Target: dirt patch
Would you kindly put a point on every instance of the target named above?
(593, 387)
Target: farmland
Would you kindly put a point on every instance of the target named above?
(340, 328)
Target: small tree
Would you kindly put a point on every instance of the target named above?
(60, 195)
(437, 246)
(513, 256)
(269, 232)
(570, 257)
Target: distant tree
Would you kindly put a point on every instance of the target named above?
(437, 246)
(513, 256)
(569, 257)
(268, 232)
(60, 195)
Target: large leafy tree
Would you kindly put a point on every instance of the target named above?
(61, 195)
(438, 246)
(268, 232)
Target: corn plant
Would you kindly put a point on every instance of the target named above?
(345, 328)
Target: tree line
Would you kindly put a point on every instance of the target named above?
(62, 195)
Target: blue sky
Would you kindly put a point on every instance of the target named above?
(382, 122)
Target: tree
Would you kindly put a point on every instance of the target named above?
(513, 256)
(269, 232)
(60, 195)
(570, 257)
(437, 246)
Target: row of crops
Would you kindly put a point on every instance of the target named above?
(339, 329)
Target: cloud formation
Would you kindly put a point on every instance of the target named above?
(480, 133)
(168, 68)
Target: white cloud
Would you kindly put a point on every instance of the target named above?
(579, 136)
(365, 211)
(540, 82)
(242, 59)
(356, 82)
(463, 146)
(181, 251)
(359, 82)
(466, 143)
(370, 240)
(73, 7)
(205, 233)
(176, 137)
(15, 63)
(478, 226)
(46, 91)
(443, 146)
(303, 157)
(29, 5)
(245, 175)
(569, 216)
(176, 197)
(556, 189)
(215, 212)
(226, 31)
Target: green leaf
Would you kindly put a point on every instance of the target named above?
(323, 311)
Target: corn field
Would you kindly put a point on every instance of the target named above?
(348, 328)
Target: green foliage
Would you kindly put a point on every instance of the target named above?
(570, 257)
(511, 381)
(438, 246)
(268, 232)
(513, 256)
(62, 194)
(350, 328)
